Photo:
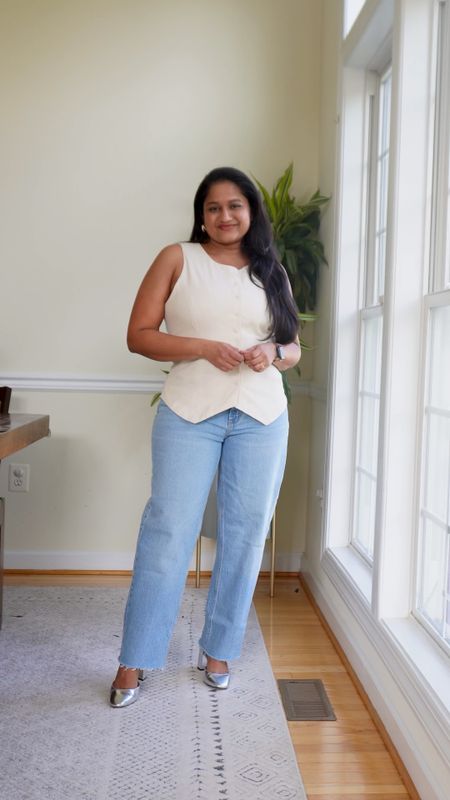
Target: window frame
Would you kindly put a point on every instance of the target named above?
(371, 302)
(438, 299)
(439, 274)
(437, 287)
(371, 608)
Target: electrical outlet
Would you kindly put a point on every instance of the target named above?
(19, 478)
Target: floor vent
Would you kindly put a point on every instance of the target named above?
(305, 700)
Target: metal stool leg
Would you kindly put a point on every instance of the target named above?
(272, 562)
(198, 558)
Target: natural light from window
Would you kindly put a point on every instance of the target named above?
(371, 317)
(382, 179)
(434, 551)
(433, 564)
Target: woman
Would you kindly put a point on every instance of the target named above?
(231, 329)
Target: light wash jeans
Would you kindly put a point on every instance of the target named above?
(250, 458)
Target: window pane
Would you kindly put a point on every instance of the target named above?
(439, 394)
(433, 600)
(380, 260)
(368, 413)
(382, 200)
(368, 439)
(436, 489)
(365, 512)
(440, 267)
(447, 250)
(433, 567)
(385, 112)
(447, 596)
(367, 435)
(372, 328)
(382, 182)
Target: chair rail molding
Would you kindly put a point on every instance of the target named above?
(69, 382)
(76, 382)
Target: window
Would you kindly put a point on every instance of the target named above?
(385, 565)
(433, 599)
(440, 245)
(432, 605)
(371, 313)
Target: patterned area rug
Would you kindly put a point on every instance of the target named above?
(60, 740)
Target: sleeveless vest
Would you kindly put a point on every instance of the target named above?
(219, 302)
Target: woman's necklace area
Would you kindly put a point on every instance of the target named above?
(231, 258)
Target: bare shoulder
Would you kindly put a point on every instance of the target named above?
(169, 259)
(164, 272)
(172, 253)
(168, 262)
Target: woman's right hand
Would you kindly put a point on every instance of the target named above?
(221, 355)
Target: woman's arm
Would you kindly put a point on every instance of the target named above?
(144, 336)
(292, 354)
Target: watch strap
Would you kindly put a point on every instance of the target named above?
(279, 353)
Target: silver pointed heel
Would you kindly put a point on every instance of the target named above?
(218, 680)
(120, 698)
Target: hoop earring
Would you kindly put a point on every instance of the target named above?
(203, 229)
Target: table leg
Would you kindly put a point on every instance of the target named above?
(2, 532)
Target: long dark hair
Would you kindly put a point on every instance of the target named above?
(258, 246)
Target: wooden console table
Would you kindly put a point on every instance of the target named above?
(16, 432)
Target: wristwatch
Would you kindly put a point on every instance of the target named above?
(279, 353)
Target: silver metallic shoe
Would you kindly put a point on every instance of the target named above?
(119, 698)
(218, 680)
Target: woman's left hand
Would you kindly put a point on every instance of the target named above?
(260, 356)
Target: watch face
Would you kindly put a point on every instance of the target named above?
(280, 352)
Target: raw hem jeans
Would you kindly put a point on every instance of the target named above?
(250, 459)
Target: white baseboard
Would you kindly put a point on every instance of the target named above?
(403, 739)
(68, 560)
(90, 560)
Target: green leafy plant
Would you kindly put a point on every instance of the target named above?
(156, 395)
(295, 228)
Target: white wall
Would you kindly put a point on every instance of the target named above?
(112, 113)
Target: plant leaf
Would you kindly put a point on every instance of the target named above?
(286, 387)
(267, 199)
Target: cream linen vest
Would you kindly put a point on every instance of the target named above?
(214, 301)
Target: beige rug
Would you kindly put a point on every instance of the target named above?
(60, 740)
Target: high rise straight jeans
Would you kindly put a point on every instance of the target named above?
(250, 459)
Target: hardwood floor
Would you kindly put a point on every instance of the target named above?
(342, 759)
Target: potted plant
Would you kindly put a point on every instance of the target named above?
(295, 228)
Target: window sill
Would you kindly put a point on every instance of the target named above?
(417, 665)
(424, 657)
(345, 563)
